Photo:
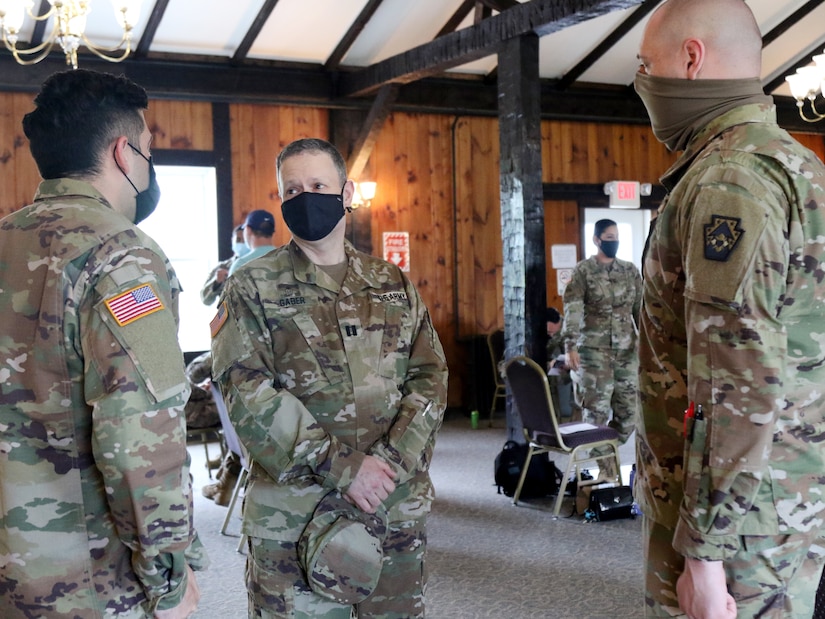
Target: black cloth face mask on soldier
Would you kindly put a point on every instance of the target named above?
(312, 216)
(146, 201)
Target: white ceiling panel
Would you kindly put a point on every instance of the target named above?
(209, 27)
(295, 32)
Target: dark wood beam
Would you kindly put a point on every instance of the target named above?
(365, 141)
(210, 79)
(609, 41)
(348, 39)
(790, 21)
(522, 205)
(254, 30)
(540, 17)
(460, 14)
(802, 60)
(481, 13)
(142, 50)
(499, 5)
(40, 26)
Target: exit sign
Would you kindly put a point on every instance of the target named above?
(623, 194)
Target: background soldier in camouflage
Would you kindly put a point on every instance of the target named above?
(96, 516)
(200, 410)
(334, 379)
(601, 309)
(733, 322)
(558, 372)
(213, 286)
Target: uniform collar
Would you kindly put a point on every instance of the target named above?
(64, 187)
(358, 277)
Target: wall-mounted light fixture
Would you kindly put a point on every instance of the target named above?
(807, 83)
(364, 194)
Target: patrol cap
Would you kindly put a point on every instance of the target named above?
(261, 222)
(341, 550)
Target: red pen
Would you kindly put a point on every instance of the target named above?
(690, 413)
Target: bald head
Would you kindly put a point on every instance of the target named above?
(704, 39)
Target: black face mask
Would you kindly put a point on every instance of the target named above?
(609, 248)
(146, 201)
(312, 216)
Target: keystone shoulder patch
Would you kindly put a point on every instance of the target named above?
(722, 235)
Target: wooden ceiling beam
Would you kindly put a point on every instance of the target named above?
(609, 41)
(40, 26)
(254, 30)
(482, 12)
(790, 21)
(142, 50)
(541, 17)
(365, 142)
(456, 18)
(499, 5)
(344, 45)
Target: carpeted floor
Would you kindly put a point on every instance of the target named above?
(487, 558)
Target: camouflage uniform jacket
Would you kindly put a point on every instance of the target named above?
(601, 305)
(212, 288)
(316, 376)
(95, 516)
(734, 320)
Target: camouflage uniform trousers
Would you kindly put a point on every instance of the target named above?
(771, 577)
(608, 380)
(277, 588)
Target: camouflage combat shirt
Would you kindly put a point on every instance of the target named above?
(317, 375)
(601, 305)
(733, 320)
(95, 498)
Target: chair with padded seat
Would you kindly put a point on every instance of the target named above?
(495, 346)
(544, 434)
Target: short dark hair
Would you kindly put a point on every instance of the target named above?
(601, 226)
(551, 314)
(312, 145)
(77, 115)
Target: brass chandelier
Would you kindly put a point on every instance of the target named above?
(806, 85)
(68, 30)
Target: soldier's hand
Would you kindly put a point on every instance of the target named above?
(573, 360)
(373, 483)
(221, 275)
(188, 605)
(703, 592)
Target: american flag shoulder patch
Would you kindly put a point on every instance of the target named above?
(133, 304)
(217, 322)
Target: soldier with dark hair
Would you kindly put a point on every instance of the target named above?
(730, 450)
(336, 383)
(96, 516)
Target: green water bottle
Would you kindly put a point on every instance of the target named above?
(474, 420)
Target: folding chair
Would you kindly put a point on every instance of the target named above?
(495, 344)
(544, 433)
(234, 445)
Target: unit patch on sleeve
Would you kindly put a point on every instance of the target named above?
(133, 304)
(721, 237)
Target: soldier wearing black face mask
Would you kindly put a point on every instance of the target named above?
(601, 309)
(336, 383)
(92, 408)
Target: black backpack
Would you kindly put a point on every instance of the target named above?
(543, 477)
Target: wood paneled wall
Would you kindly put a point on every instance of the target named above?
(18, 173)
(180, 125)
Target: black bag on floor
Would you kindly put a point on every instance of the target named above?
(543, 478)
(612, 503)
